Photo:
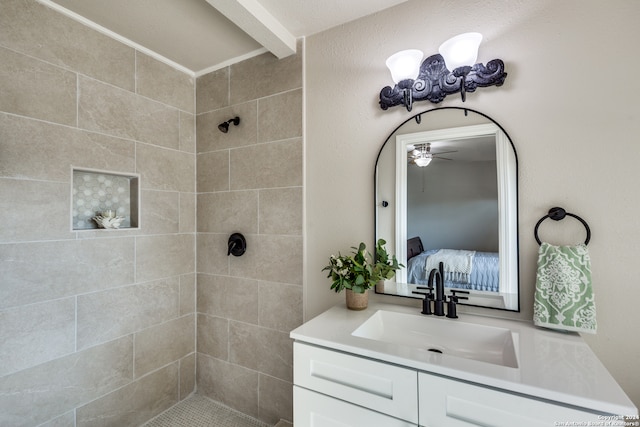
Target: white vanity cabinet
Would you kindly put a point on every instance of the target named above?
(451, 403)
(337, 389)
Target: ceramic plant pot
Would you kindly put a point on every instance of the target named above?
(356, 301)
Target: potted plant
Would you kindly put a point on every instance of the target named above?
(358, 272)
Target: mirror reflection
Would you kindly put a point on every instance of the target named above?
(446, 191)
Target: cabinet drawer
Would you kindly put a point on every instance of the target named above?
(317, 410)
(451, 403)
(384, 388)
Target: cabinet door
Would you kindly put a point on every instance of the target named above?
(375, 385)
(313, 409)
(449, 403)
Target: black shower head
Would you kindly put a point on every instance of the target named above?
(224, 126)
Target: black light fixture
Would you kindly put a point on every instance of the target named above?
(432, 80)
(224, 126)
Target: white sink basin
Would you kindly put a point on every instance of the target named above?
(451, 337)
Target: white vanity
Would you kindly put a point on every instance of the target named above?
(389, 365)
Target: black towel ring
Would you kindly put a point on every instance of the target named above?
(557, 214)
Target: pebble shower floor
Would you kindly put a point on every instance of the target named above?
(199, 411)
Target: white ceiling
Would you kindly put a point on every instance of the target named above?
(198, 36)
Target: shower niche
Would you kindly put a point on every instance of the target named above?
(100, 194)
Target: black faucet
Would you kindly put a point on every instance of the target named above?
(437, 276)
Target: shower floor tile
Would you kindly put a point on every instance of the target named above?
(200, 411)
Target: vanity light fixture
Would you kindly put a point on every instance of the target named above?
(450, 71)
(224, 126)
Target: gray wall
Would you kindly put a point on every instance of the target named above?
(250, 181)
(453, 205)
(97, 327)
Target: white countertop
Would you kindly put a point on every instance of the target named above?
(552, 365)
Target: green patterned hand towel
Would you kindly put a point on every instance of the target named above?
(564, 299)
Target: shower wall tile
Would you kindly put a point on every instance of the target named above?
(187, 132)
(36, 333)
(187, 375)
(280, 211)
(213, 171)
(162, 344)
(187, 294)
(163, 83)
(213, 336)
(39, 150)
(163, 169)
(114, 111)
(133, 404)
(210, 138)
(228, 297)
(58, 386)
(276, 399)
(261, 349)
(177, 256)
(32, 210)
(161, 213)
(37, 89)
(276, 164)
(187, 213)
(221, 212)
(212, 91)
(230, 384)
(265, 75)
(35, 30)
(211, 253)
(272, 258)
(64, 420)
(39, 271)
(280, 306)
(271, 111)
(106, 315)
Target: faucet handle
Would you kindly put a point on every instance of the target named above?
(426, 301)
(451, 307)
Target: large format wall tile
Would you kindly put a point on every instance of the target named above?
(35, 395)
(276, 399)
(213, 336)
(106, 315)
(35, 30)
(40, 271)
(228, 297)
(161, 213)
(187, 375)
(163, 169)
(271, 110)
(31, 210)
(213, 171)
(280, 306)
(225, 211)
(210, 138)
(162, 344)
(118, 112)
(271, 258)
(164, 83)
(280, 211)
(43, 151)
(228, 383)
(187, 222)
(187, 132)
(36, 333)
(211, 253)
(177, 256)
(276, 164)
(133, 404)
(265, 75)
(262, 349)
(212, 91)
(34, 88)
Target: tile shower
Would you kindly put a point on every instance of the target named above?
(107, 328)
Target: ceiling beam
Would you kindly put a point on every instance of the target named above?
(256, 21)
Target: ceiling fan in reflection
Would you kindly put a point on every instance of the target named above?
(421, 155)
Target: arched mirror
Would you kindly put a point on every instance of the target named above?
(447, 191)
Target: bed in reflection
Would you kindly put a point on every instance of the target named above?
(463, 269)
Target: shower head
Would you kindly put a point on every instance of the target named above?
(224, 126)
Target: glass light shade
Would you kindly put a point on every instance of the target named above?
(404, 64)
(422, 161)
(461, 50)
